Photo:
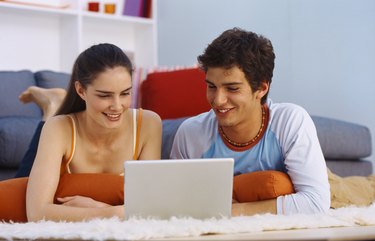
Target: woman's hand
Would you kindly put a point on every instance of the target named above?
(82, 202)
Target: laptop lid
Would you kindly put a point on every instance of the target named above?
(197, 188)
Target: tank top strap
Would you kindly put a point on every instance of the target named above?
(137, 121)
(73, 144)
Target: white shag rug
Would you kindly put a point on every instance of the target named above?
(134, 229)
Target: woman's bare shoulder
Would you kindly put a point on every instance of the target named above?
(58, 123)
(149, 116)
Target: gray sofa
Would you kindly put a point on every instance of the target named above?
(18, 121)
(344, 144)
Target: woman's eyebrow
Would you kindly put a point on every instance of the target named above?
(110, 92)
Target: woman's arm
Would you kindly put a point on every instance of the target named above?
(45, 175)
(150, 137)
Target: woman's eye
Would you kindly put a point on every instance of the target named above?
(104, 96)
(211, 86)
(125, 93)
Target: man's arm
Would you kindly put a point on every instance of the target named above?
(251, 208)
(305, 165)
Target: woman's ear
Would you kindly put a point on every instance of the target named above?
(263, 89)
(80, 90)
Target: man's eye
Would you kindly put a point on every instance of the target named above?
(211, 86)
(125, 93)
(233, 89)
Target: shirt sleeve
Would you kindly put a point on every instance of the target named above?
(305, 165)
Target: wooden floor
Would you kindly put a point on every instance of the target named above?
(342, 233)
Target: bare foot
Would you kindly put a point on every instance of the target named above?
(49, 100)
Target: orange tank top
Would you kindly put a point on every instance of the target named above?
(137, 120)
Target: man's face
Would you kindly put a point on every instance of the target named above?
(231, 97)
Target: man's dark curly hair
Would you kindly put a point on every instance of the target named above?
(252, 53)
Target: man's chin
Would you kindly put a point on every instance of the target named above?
(225, 123)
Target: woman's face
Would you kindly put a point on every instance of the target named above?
(108, 97)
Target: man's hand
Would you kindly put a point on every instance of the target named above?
(252, 208)
(82, 202)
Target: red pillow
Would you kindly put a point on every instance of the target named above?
(175, 94)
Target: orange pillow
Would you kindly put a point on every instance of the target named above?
(103, 187)
(13, 200)
(261, 185)
(108, 188)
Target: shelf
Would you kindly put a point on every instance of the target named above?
(129, 19)
(37, 10)
(52, 38)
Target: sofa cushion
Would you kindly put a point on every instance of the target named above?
(15, 136)
(345, 167)
(13, 83)
(175, 94)
(342, 140)
(50, 79)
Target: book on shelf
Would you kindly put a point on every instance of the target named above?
(138, 8)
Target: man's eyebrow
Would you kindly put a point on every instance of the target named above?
(225, 84)
(208, 82)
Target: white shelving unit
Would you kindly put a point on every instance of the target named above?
(36, 38)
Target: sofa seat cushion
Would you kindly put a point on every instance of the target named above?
(13, 83)
(345, 167)
(15, 137)
(170, 127)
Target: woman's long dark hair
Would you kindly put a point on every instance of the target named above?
(89, 64)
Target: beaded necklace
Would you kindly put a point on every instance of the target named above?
(236, 144)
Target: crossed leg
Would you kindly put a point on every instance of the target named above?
(49, 100)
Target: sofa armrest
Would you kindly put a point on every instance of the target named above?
(342, 140)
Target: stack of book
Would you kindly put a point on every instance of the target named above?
(137, 8)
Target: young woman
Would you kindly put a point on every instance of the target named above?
(94, 131)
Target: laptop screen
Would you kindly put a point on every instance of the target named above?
(197, 188)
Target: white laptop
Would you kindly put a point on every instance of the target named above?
(197, 188)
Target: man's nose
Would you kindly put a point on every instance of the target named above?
(220, 97)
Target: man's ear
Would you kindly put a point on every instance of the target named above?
(80, 90)
(263, 89)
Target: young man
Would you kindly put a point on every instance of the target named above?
(259, 134)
